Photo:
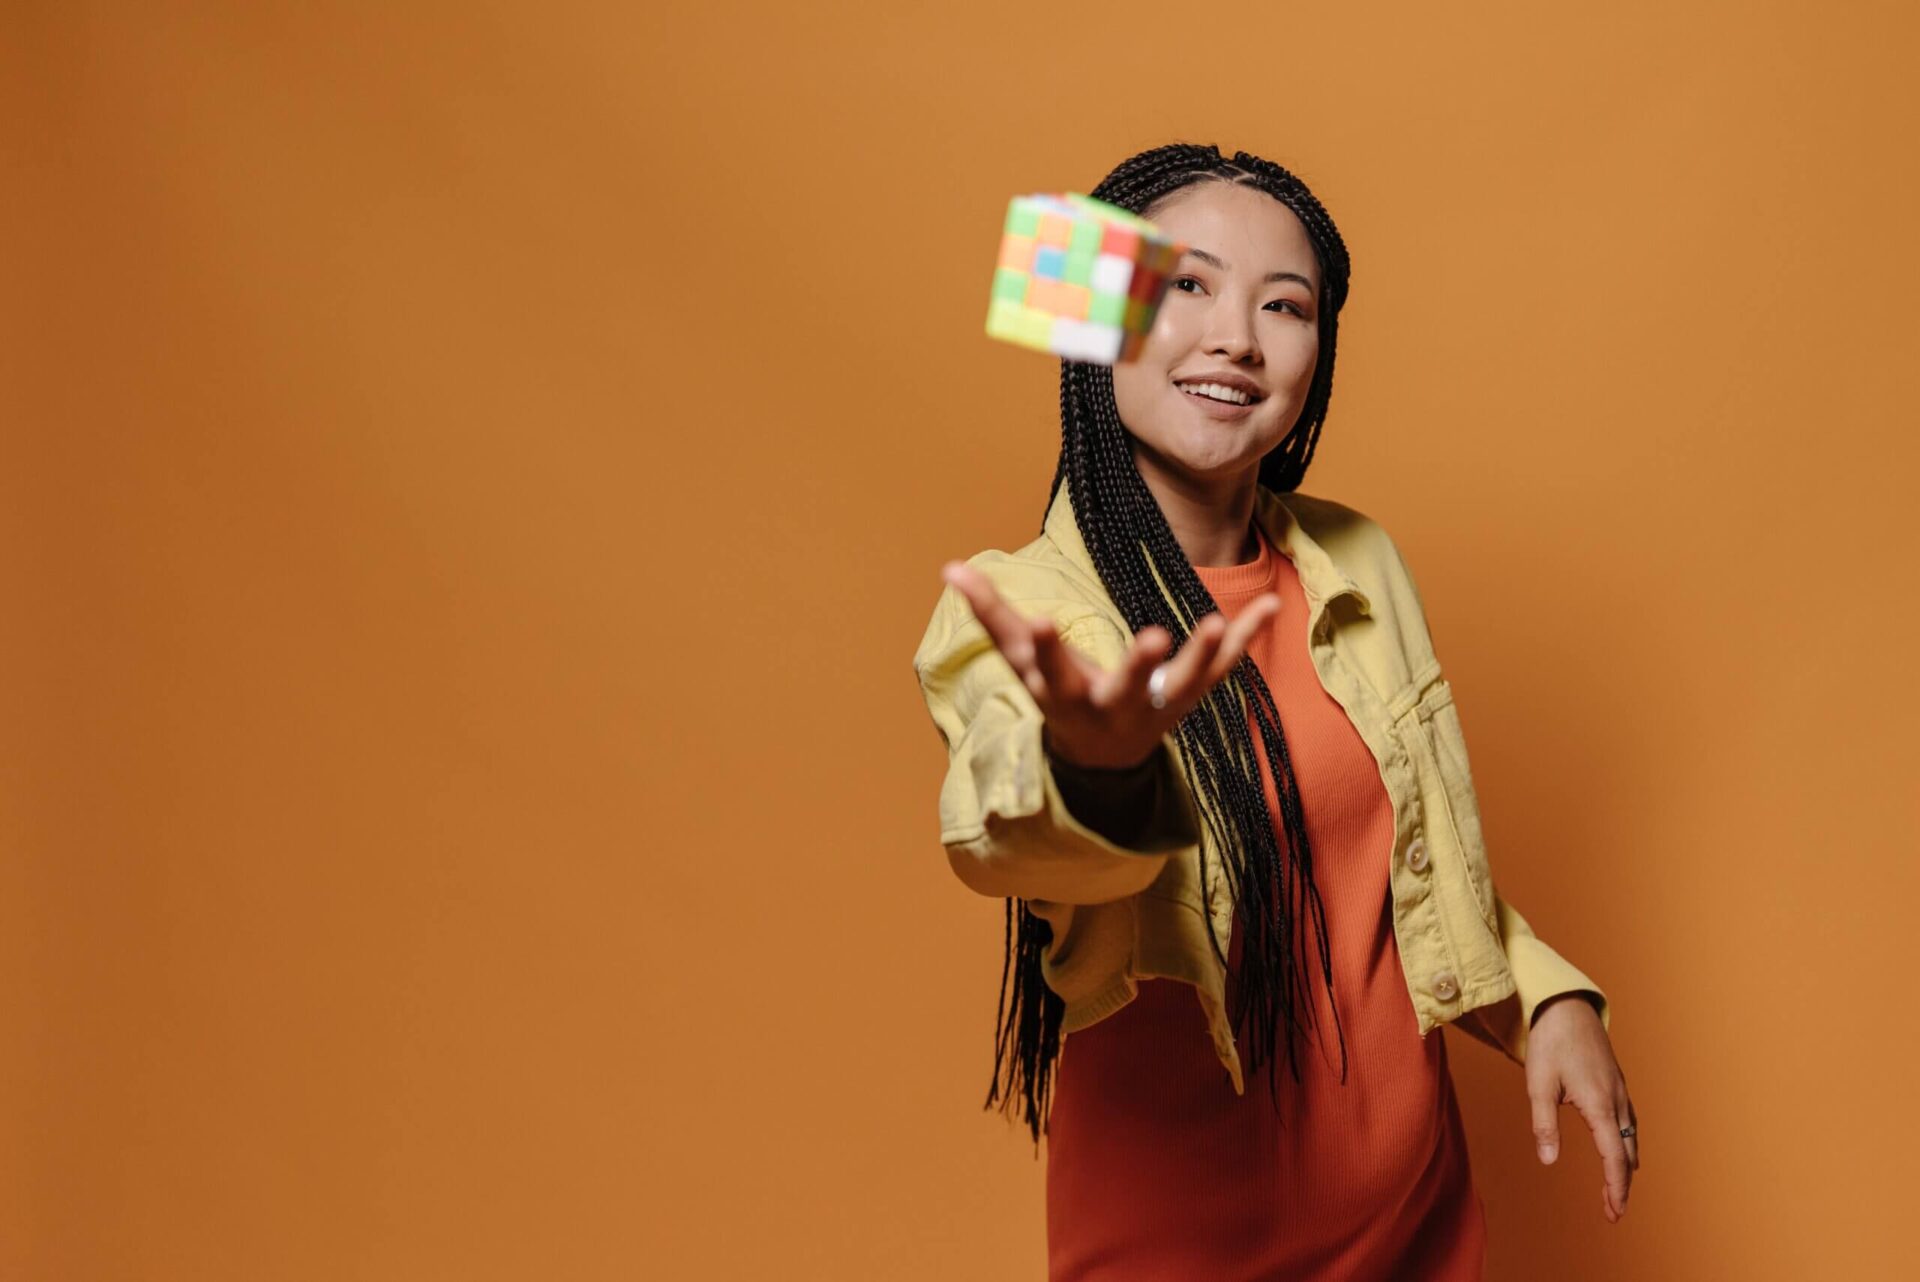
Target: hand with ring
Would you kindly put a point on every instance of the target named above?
(1570, 1060)
(1111, 719)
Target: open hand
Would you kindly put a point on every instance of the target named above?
(1102, 718)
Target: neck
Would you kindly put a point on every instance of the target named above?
(1211, 517)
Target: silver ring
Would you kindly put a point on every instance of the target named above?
(1626, 1132)
(1157, 687)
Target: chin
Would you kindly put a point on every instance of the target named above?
(1210, 458)
(1222, 447)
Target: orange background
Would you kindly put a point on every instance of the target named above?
(472, 484)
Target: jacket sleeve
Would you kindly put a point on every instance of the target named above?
(1005, 823)
(1538, 974)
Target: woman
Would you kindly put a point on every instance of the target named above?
(1293, 779)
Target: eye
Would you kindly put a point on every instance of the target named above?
(1180, 283)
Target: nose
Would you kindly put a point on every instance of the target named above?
(1229, 333)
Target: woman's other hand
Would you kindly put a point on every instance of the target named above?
(1096, 717)
(1570, 1060)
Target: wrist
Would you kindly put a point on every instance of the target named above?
(1586, 999)
(1113, 771)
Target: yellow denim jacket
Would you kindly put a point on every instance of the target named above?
(1119, 915)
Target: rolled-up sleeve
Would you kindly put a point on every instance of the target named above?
(1538, 974)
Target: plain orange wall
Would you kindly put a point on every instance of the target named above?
(471, 484)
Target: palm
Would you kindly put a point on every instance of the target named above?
(1106, 717)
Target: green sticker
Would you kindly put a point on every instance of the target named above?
(1035, 328)
(1003, 318)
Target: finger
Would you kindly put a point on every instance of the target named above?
(1546, 1125)
(1128, 682)
(1065, 679)
(1613, 1151)
(1240, 634)
(1623, 1109)
(1012, 633)
(1186, 671)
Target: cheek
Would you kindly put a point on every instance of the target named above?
(1296, 356)
(1173, 329)
(1133, 384)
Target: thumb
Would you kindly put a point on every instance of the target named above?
(1546, 1127)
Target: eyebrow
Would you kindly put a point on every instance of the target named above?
(1272, 277)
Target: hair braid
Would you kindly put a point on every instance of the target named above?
(1274, 893)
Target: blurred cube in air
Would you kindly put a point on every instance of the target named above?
(1079, 277)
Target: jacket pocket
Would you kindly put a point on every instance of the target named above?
(1430, 727)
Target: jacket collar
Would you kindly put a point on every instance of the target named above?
(1321, 577)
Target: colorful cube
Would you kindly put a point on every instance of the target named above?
(1078, 277)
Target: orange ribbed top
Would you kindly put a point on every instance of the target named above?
(1155, 1168)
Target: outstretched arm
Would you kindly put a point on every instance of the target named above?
(1041, 717)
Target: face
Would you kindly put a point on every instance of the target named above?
(1241, 310)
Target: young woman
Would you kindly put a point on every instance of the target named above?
(1292, 780)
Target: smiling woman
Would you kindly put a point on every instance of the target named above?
(1214, 860)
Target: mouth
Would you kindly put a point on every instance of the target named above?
(1217, 400)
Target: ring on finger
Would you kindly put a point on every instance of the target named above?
(1157, 686)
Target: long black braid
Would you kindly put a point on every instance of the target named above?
(1129, 539)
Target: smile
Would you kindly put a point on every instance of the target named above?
(1218, 392)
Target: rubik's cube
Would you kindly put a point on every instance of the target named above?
(1079, 277)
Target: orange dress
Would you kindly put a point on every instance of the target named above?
(1157, 1169)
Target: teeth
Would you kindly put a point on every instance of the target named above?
(1217, 392)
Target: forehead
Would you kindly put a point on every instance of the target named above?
(1243, 225)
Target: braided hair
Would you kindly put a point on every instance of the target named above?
(1129, 540)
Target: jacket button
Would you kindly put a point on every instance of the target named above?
(1444, 987)
(1417, 854)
